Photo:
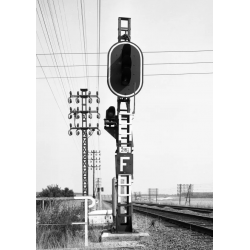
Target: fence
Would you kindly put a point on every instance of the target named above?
(86, 206)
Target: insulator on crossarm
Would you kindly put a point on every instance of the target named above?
(89, 124)
(97, 93)
(70, 125)
(98, 116)
(90, 100)
(70, 93)
(90, 116)
(78, 116)
(77, 132)
(69, 100)
(70, 109)
(98, 100)
(89, 93)
(77, 125)
(77, 100)
(70, 132)
(77, 92)
(69, 116)
(99, 132)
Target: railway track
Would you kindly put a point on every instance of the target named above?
(195, 209)
(198, 223)
(194, 222)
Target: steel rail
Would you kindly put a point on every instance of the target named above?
(193, 216)
(195, 209)
(188, 225)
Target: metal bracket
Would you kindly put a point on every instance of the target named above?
(127, 35)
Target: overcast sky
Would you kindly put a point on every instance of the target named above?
(173, 118)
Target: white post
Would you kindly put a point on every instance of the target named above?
(86, 222)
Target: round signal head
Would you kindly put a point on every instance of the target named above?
(125, 69)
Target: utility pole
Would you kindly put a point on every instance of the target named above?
(99, 190)
(94, 166)
(87, 130)
(179, 192)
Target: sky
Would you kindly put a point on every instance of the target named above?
(173, 133)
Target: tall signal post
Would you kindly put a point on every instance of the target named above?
(125, 80)
(87, 130)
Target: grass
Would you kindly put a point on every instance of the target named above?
(62, 236)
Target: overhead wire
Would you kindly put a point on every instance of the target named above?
(55, 100)
(50, 46)
(100, 65)
(167, 51)
(98, 55)
(70, 46)
(51, 39)
(58, 42)
(60, 33)
(191, 73)
(84, 38)
(80, 31)
(179, 51)
(47, 62)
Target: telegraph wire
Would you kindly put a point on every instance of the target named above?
(47, 62)
(98, 50)
(168, 51)
(195, 73)
(84, 39)
(100, 65)
(57, 40)
(56, 101)
(202, 73)
(60, 33)
(179, 51)
(70, 46)
(53, 59)
(52, 92)
(81, 42)
(50, 45)
(52, 41)
(98, 35)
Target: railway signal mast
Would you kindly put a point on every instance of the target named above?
(125, 80)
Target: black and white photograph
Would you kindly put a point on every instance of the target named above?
(124, 124)
(131, 125)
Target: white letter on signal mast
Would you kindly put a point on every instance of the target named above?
(123, 163)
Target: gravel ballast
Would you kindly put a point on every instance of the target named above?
(164, 235)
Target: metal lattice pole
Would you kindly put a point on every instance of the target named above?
(84, 128)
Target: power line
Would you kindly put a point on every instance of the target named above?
(79, 26)
(56, 100)
(50, 43)
(60, 33)
(80, 65)
(50, 11)
(179, 51)
(167, 51)
(67, 30)
(47, 62)
(203, 73)
(98, 36)
(84, 39)
(193, 73)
